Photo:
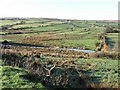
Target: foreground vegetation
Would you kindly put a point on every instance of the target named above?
(85, 73)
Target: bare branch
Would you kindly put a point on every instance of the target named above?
(52, 68)
(49, 71)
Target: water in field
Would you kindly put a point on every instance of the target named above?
(73, 49)
(79, 50)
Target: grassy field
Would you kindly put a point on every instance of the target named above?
(86, 32)
(14, 77)
(104, 70)
(83, 70)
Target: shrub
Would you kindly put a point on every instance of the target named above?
(5, 42)
(110, 55)
(108, 29)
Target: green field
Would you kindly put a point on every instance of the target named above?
(13, 77)
(70, 32)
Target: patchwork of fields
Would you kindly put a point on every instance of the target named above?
(33, 47)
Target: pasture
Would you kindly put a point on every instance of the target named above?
(31, 45)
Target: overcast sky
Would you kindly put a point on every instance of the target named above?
(65, 9)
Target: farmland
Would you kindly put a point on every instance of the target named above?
(52, 52)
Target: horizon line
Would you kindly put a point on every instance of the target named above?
(58, 18)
